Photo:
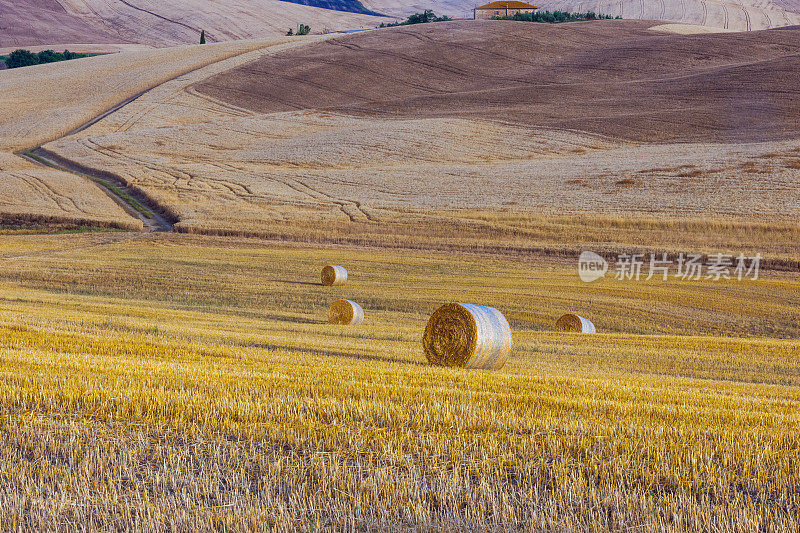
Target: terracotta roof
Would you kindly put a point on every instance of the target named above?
(510, 4)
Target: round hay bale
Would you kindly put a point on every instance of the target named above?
(467, 336)
(345, 312)
(334, 275)
(574, 324)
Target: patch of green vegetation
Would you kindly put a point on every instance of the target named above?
(302, 29)
(556, 17)
(127, 198)
(25, 58)
(418, 18)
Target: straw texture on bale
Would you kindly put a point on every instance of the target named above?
(574, 324)
(345, 312)
(467, 336)
(334, 275)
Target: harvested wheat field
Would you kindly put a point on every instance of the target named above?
(171, 357)
(27, 23)
(68, 95)
(194, 383)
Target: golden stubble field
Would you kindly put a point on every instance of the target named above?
(172, 381)
(181, 382)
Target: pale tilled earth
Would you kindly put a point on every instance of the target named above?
(220, 167)
(357, 134)
(41, 103)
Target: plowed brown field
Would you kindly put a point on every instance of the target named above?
(614, 78)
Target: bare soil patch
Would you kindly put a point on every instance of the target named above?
(614, 78)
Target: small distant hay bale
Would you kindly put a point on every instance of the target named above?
(345, 312)
(574, 324)
(334, 275)
(467, 336)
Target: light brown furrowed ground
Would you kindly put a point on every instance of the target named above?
(614, 78)
(41, 103)
(372, 158)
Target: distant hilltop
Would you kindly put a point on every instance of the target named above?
(28, 23)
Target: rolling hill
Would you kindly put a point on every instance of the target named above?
(62, 22)
(738, 15)
(615, 78)
(476, 135)
(156, 23)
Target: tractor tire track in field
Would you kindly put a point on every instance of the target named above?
(166, 19)
(353, 209)
(746, 17)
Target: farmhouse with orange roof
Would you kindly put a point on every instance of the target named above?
(502, 8)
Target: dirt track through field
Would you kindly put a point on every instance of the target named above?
(614, 78)
(111, 185)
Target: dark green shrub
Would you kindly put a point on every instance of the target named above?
(26, 58)
(22, 58)
(418, 18)
(555, 17)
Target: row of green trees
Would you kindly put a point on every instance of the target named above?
(418, 18)
(556, 16)
(26, 58)
(302, 29)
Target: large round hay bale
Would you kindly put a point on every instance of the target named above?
(345, 312)
(574, 324)
(467, 336)
(334, 275)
